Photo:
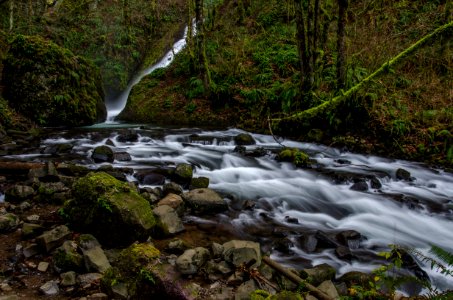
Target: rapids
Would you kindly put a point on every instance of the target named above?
(289, 201)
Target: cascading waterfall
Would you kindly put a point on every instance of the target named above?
(115, 106)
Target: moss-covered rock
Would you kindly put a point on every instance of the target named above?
(50, 85)
(295, 156)
(109, 209)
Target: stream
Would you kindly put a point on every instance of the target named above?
(271, 201)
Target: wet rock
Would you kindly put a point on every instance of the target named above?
(110, 210)
(183, 174)
(343, 252)
(199, 183)
(30, 250)
(122, 156)
(8, 222)
(402, 174)
(50, 288)
(375, 183)
(69, 169)
(53, 238)
(150, 178)
(128, 136)
(349, 238)
(217, 250)
(67, 258)
(19, 193)
(283, 245)
(174, 201)
(319, 274)
(343, 161)
(168, 220)
(238, 252)
(325, 241)
(68, 278)
(329, 289)
(245, 290)
(244, 139)
(102, 154)
(360, 186)
(205, 201)
(236, 279)
(172, 188)
(191, 260)
(109, 142)
(240, 149)
(295, 156)
(291, 220)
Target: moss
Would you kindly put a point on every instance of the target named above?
(259, 295)
(50, 85)
(110, 209)
(286, 295)
(295, 156)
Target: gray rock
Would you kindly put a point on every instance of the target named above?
(242, 252)
(53, 238)
(19, 193)
(88, 278)
(329, 288)
(205, 201)
(217, 250)
(31, 230)
(30, 250)
(402, 174)
(43, 266)
(360, 186)
(128, 136)
(168, 220)
(119, 291)
(95, 260)
(66, 257)
(122, 156)
(98, 296)
(68, 278)
(32, 218)
(176, 246)
(50, 288)
(8, 222)
(174, 201)
(87, 241)
(244, 290)
(191, 260)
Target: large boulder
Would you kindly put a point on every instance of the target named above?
(109, 209)
(205, 201)
(51, 85)
(183, 173)
(103, 154)
(244, 139)
(168, 220)
(8, 222)
(191, 260)
(242, 252)
(19, 193)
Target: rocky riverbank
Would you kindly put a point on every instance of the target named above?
(70, 232)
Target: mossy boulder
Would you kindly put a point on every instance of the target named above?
(109, 209)
(244, 139)
(183, 173)
(295, 156)
(103, 154)
(51, 85)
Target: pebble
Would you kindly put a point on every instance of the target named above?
(32, 218)
(43, 266)
(50, 288)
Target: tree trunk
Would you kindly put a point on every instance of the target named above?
(302, 46)
(341, 55)
(11, 15)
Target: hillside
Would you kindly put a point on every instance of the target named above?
(251, 50)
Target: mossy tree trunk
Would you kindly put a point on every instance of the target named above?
(201, 62)
(443, 32)
(11, 15)
(341, 49)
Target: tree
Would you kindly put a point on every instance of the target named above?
(341, 56)
(201, 62)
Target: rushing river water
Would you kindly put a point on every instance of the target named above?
(271, 200)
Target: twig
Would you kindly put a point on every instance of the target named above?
(272, 133)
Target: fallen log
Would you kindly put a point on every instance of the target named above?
(18, 167)
(296, 279)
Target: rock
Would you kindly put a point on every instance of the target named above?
(5, 287)
(217, 250)
(68, 278)
(8, 222)
(89, 278)
(152, 179)
(240, 149)
(224, 268)
(205, 201)
(95, 260)
(55, 192)
(375, 183)
(315, 135)
(343, 252)
(168, 220)
(30, 250)
(319, 273)
(19, 193)
(102, 154)
(98, 296)
(172, 188)
(183, 173)
(87, 242)
(199, 183)
(66, 257)
(402, 174)
(295, 156)
(191, 260)
(32, 218)
(110, 210)
(343, 161)
(10, 297)
(329, 288)
(242, 252)
(53, 238)
(128, 136)
(69, 169)
(122, 156)
(244, 139)
(309, 242)
(50, 288)
(245, 290)
(174, 201)
(283, 245)
(176, 246)
(360, 186)
(355, 278)
(43, 266)
(349, 238)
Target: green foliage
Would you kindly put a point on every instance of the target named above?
(196, 88)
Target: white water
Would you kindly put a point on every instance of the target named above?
(280, 191)
(116, 106)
